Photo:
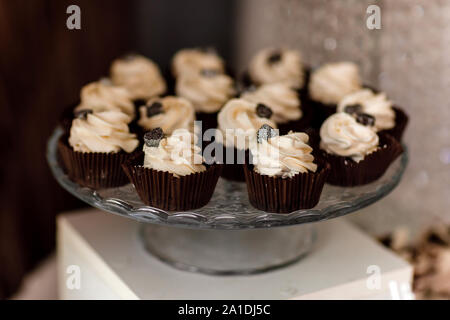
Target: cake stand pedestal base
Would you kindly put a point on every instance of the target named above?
(228, 252)
(113, 264)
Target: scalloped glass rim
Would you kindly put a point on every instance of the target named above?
(229, 208)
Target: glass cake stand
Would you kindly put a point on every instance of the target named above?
(228, 236)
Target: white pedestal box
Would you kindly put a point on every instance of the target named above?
(100, 256)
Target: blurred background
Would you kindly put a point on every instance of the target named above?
(43, 65)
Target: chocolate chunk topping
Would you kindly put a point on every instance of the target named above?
(353, 108)
(263, 111)
(274, 57)
(365, 119)
(82, 114)
(153, 137)
(265, 132)
(154, 109)
(209, 73)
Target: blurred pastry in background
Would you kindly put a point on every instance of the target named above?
(140, 76)
(272, 65)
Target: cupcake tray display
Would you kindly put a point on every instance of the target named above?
(229, 207)
(122, 150)
(225, 229)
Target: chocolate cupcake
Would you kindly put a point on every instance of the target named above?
(201, 78)
(328, 85)
(140, 76)
(282, 65)
(284, 176)
(388, 119)
(100, 96)
(238, 122)
(208, 90)
(170, 173)
(285, 104)
(356, 153)
(98, 144)
(168, 113)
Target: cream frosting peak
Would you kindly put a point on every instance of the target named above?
(192, 61)
(177, 154)
(177, 113)
(342, 135)
(332, 81)
(239, 122)
(283, 156)
(103, 96)
(277, 65)
(105, 131)
(283, 101)
(376, 105)
(208, 93)
(139, 75)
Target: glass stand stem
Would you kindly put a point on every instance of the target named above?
(228, 252)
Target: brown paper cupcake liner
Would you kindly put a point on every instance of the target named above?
(234, 171)
(165, 191)
(95, 170)
(401, 121)
(209, 120)
(284, 195)
(346, 172)
(320, 112)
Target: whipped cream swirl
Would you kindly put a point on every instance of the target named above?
(175, 113)
(105, 131)
(283, 156)
(331, 82)
(207, 92)
(277, 65)
(177, 154)
(342, 135)
(283, 101)
(192, 61)
(238, 122)
(139, 75)
(104, 96)
(377, 105)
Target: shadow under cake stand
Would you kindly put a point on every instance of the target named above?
(228, 236)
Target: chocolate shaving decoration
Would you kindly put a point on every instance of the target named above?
(153, 137)
(274, 57)
(353, 109)
(265, 133)
(154, 109)
(209, 73)
(365, 119)
(263, 111)
(82, 114)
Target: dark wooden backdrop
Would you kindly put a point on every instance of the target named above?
(42, 68)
